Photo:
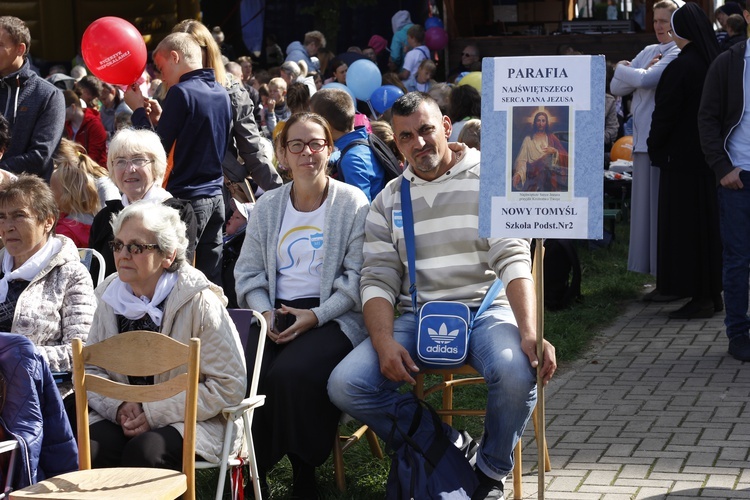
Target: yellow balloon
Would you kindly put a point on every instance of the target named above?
(474, 79)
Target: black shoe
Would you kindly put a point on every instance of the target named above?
(739, 348)
(656, 296)
(490, 489)
(695, 309)
(303, 480)
(718, 303)
(469, 447)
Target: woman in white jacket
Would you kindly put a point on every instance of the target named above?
(156, 289)
(640, 77)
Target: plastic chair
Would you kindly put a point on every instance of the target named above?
(447, 411)
(137, 353)
(341, 443)
(10, 446)
(243, 319)
(88, 255)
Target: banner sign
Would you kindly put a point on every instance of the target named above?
(542, 147)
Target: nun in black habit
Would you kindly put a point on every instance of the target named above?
(688, 241)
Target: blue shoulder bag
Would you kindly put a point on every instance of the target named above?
(443, 327)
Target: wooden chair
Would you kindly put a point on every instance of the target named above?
(137, 353)
(447, 411)
(341, 443)
(244, 411)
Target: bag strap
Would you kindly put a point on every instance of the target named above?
(408, 218)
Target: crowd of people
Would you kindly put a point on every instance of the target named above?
(211, 183)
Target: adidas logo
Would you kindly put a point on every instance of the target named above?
(442, 336)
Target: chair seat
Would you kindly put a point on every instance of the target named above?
(119, 483)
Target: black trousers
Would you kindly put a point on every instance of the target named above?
(298, 419)
(110, 447)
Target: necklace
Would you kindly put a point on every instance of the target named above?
(315, 205)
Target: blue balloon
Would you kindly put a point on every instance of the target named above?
(363, 77)
(433, 22)
(340, 86)
(384, 97)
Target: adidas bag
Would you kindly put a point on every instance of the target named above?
(425, 464)
(443, 334)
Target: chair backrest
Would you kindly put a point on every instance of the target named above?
(88, 255)
(140, 354)
(243, 321)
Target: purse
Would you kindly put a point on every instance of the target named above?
(443, 327)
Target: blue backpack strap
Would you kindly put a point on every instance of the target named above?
(408, 218)
(489, 297)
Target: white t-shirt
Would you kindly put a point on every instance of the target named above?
(414, 58)
(299, 255)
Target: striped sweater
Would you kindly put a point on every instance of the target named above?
(452, 261)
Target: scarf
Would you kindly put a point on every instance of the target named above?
(29, 269)
(155, 193)
(120, 296)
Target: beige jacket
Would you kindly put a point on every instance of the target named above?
(194, 308)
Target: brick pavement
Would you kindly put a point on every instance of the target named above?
(656, 411)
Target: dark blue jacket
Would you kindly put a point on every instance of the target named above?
(196, 115)
(33, 413)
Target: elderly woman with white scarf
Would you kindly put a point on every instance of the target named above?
(156, 289)
(137, 164)
(46, 294)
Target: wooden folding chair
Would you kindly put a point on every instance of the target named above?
(139, 354)
(341, 443)
(447, 411)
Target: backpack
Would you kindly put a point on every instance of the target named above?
(391, 165)
(424, 462)
(562, 274)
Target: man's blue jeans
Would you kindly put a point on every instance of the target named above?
(358, 388)
(734, 219)
(209, 217)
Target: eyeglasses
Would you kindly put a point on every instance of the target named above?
(466, 54)
(316, 146)
(138, 162)
(132, 248)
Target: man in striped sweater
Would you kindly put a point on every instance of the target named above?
(452, 263)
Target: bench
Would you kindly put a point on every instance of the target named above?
(592, 26)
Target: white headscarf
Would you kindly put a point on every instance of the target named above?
(29, 269)
(155, 193)
(120, 296)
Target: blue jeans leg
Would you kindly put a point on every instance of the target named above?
(734, 219)
(209, 217)
(358, 388)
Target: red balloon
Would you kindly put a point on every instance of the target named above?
(114, 50)
(436, 38)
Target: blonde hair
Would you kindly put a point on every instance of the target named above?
(278, 83)
(211, 51)
(184, 44)
(76, 173)
(471, 134)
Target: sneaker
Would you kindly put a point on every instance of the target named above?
(488, 489)
(739, 347)
(469, 447)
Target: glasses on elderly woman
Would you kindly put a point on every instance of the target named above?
(315, 145)
(137, 162)
(132, 248)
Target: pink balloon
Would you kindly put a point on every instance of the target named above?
(114, 50)
(436, 38)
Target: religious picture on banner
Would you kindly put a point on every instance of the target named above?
(539, 152)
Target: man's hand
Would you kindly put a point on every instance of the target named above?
(153, 110)
(395, 362)
(132, 419)
(732, 179)
(549, 363)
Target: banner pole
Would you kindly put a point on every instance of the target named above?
(539, 424)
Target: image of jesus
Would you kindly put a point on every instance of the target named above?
(542, 162)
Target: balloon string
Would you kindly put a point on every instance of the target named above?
(374, 114)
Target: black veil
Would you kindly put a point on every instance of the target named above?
(691, 23)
